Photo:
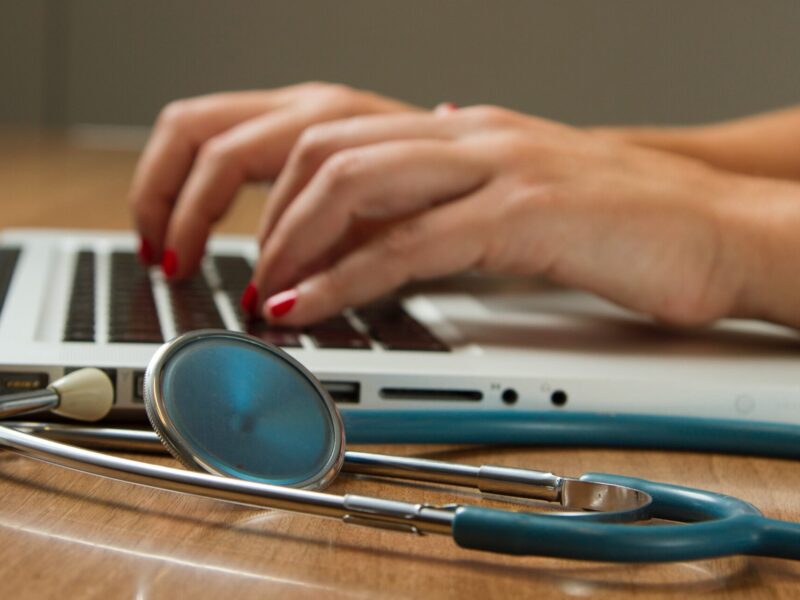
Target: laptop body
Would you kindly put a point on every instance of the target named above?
(465, 345)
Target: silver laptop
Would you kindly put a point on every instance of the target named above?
(469, 344)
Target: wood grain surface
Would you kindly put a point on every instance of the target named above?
(69, 535)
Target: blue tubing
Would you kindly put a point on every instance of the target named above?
(714, 525)
(555, 428)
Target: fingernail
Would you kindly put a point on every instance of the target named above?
(169, 262)
(281, 303)
(249, 299)
(444, 108)
(145, 252)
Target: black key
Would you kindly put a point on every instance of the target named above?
(278, 336)
(193, 305)
(234, 274)
(8, 262)
(337, 332)
(73, 335)
(395, 329)
(137, 337)
(80, 315)
(132, 308)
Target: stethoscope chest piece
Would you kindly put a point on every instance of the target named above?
(231, 405)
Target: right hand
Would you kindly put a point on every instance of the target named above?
(203, 149)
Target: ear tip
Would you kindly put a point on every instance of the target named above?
(85, 395)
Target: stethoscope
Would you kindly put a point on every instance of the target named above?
(268, 435)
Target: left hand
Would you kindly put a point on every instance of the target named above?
(367, 204)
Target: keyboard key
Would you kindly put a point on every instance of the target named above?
(193, 305)
(278, 336)
(132, 308)
(389, 324)
(337, 332)
(80, 314)
(234, 274)
(8, 262)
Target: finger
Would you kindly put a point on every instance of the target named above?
(445, 240)
(181, 129)
(320, 142)
(384, 181)
(252, 150)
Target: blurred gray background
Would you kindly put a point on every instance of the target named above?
(116, 62)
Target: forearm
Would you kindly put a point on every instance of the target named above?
(766, 145)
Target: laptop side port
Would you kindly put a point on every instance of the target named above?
(343, 392)
(137, 393)
(14, 382)
(430, 394)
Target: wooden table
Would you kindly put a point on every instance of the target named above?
(65, 534)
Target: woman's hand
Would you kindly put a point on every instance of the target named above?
(204, 148)
(369, 203)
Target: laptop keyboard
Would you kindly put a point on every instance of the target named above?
(134, 317)
(132, 308)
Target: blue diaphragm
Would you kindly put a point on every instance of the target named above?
(235, 406)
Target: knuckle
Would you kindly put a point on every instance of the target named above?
(313, 146)
(338, 91)
(489, 115)
(340, 170)
(175, 115)
(215, 152)
(402, 239)
(338, 99)
(316, 86)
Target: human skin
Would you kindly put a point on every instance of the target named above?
(371, 193)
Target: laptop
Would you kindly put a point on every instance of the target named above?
(466, 345)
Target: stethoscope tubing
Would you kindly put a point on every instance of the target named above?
(712, 525)
(573, 429)
(718, 526)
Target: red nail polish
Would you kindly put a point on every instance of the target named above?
(444, 108)
(249, 299)
(169, 262)
(281, 303)
(145, 252)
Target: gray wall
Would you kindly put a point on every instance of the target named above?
(582, 61)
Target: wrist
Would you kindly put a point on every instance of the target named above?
(759, 220)
(707, 144)
(687, 140)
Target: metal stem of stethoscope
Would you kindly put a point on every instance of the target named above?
(571, 494)
(375, 512)
(12, 405)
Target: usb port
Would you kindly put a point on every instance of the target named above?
(347, 392)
